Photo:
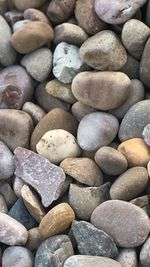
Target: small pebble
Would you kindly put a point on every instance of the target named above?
(146, 134)
(17, 186)
(8, 194)
(79, 110)
(24, 4)
(35, 15)
(131, 68)
(3, 205)
(19, 24)
(6, 162)
(34, 239)
(127, 257)
(35, 111)
(13, 16)
(144, 253)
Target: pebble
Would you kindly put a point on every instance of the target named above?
(3, 205)
(92, 241)
(32, 203)
(83, 11)
(19, 212)
(66, 62)
(84, 170)
(69, 33)
(7, 52)
(55, 119)
(18, 129)
(13, 16)
(34, 239)
(136, 151)
(144, 253)
(84, 200)
(6, 162)
(141, 201)
(107, 46)
(111, 161)
(17, 185)
(136, 94)
(134, 121)
(130, 184)
(96, 130)
(147, 18)
(14, 92)
(31, 167)
(146, 134)
(8, 194)
(131, 68)
(35, 111)
(127, 257)
(24, 4)
(129, 225)
(19, 24)
(34, 14)
(60, 90)
(12, 233)
(117, 11)
(59, 11)
(16, 257)
(94, 89)
(79, 110)
(54, 251)
(32, 36)
(57, 145)
(56, 221)
(144, 65)
(134, 37)
(88, 261)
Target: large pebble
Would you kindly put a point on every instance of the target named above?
(32, 36)
(97, 129)
(145, 65)
(11, 231)
(126, 223)
(24, 4)
(84, 200)
(134, 121)
(17, 257)
(56, 221)
(88, 261)
(54, 251)
(117, 11)
(130, 184)
(111, 161)
(14, 92)
(31, 167)
(7, 52)
(38, 64)
(107, 46)
(84, 170)
(127, 257)
(144, 253)
(92, 241)
(16, 132)
(134, 37)
(6, 162)
(136, 151)
(83, 11)
(35, 111)
(101, 90)
(55, 119)
(66, 62)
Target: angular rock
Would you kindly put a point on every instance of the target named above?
(54, 251)
(92, 241)
(129, 225)
(46, 178)
(35, 111)
(6, 162)
(127, 257)
(144, 253)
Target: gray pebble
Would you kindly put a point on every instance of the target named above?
(35, 111)
(127, 257)
(144, 253)
(6, 162)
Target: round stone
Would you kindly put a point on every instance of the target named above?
(35, 111)
(88, 261)
(127, 257)
(145, 65)
(130, 184)
(117, 11)
(6, 162)
(107, 46)
(144, 253)
(134, 121)
(131, 68)
(25, 4)
(16, 257)
(79, 110)
(57, 145)
(96, 130)
(129, 225)
(84, 170)
(111, 161)
(95, 88)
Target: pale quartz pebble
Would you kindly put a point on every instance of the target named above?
(3, 205)
(34, 239)
(17, 185)
(35, 111)
(19, 24)
(6, 162)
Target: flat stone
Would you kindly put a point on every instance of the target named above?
(32, 203)
(111, 161)
(6, 163)
(144, 253)
(56, 221)
(35, 111)
(88, 261)
(127, 257)
(35, 15)
(31, 167)
(129, 225)
(23, 5)
(84, 200)
(21, 214)
(92, 241)
(144, 65)
(34, 239)
(8, 194)
(84, 170)
(67, 62)
(16, 257)
(96, 130)
(12, 232)
(54, 251)
(94, 89)
(130, 184)
(134, 121)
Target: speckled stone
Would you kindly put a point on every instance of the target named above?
(127, 257)
(144, 253)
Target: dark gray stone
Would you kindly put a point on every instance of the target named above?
(144, 254)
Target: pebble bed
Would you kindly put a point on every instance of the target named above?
(74, 133)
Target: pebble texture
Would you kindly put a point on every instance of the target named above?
(6, 162)
(127, 257)
(144, 253)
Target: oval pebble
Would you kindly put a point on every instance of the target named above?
(35, 111)
(79, 110)
(129, 225)
(34, 14)
(7, 166)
